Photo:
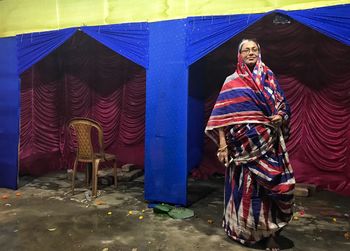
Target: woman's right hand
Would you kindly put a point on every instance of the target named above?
(222, 152)
(223, 155)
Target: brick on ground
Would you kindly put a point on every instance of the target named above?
(127, 173)
(304, 190)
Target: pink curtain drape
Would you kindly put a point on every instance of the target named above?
(314, 72)
(82, 78)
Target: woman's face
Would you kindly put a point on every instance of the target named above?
(250, 53)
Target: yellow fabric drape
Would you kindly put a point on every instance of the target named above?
(25, 16)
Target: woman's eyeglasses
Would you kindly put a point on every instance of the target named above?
(247, 51)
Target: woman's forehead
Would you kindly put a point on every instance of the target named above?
(249, 44)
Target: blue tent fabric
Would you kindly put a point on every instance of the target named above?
(35, 46)
(166, 114)
(129, 40)
(9, 113)
(204, 34)
(333, 21)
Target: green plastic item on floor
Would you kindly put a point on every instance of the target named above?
(162, 208)
(173, 212)
(181, 213)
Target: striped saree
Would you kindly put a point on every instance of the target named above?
(259, 181)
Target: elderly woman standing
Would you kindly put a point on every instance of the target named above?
(248, 123)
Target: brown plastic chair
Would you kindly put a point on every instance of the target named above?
(85, 152)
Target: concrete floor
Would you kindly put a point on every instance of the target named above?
(42, 215)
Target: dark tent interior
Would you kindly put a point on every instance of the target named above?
(313, 71)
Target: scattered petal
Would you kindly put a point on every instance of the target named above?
(105, 249)
(52, 229)
(109, 213)
(334, 220)
(140, 217)
(100, 202)
(5, 197)
(301, 213)
(295, 218)
(143, 211)
(130, 212)
(18, 194)
(210, 221)
(8, 205)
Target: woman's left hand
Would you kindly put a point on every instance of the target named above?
(276, 119)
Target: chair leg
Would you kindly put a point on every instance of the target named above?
(87, 174)
(115, 173)
(95, 165)
(73, 174)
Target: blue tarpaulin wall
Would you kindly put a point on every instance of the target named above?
(167, 48)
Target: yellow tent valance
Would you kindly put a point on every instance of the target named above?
(25, 16)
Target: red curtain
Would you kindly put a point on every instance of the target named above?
(314, 72)
(82, 78)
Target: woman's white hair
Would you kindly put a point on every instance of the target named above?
(245, 40)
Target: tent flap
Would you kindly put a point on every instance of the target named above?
(205, 34)
(35, 46)
(332, 21)
(129, 40)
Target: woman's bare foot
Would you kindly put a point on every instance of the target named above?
(271, 244)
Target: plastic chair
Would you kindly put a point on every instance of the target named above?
(85, 152)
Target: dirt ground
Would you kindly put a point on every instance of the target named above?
(43, 215)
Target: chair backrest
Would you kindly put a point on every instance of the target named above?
(82, 128)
